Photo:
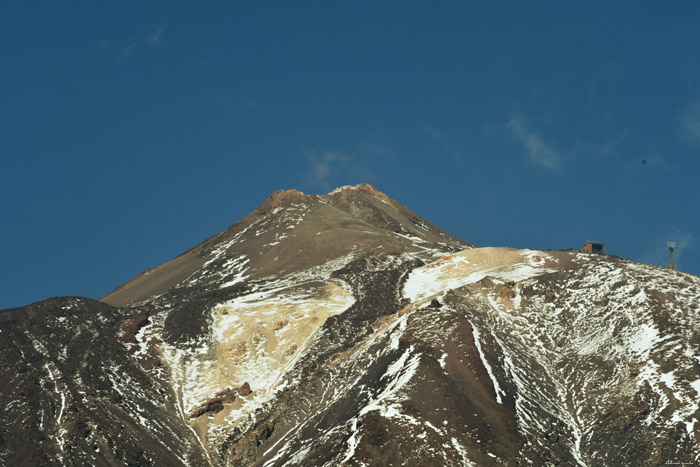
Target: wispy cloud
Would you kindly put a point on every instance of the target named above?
(658, 255)
(103, 46)
(126, 51)
(684, 243)
(439, 138)
(690, 124)
(361, 163)
(330, 169)
(152, 39)
(539, 151)
(608, 148)
(154, 36)
(327, 166)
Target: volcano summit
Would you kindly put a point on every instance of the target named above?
(345, 329)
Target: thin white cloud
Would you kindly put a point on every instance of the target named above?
(327, 166)
(684, 242)
(608, 148)
(690, 124)
(441, 140)
(104, 45)
(152, 39)
(126, 51)
(659, 254)
(330, 169)
(361, 164)
(539, 151)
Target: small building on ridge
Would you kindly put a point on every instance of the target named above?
(593, 248)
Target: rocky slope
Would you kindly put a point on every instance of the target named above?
(344, 329)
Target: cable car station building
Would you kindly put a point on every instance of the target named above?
(593, 248)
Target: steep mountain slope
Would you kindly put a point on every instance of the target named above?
(72, 394)
(266, 289)
(346, 330)
(526, 358)
(293, 232)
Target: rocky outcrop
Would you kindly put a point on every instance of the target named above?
(344, 329)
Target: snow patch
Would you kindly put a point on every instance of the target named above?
(452, 272)
(643, 341)
(489, 370)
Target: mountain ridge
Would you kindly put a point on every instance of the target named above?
(344, 329)
(353, 206)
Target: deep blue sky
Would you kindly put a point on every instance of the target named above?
(130, 132)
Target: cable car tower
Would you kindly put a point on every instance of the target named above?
(671, 255)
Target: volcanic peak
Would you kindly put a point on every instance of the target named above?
(362, 186)
(357, 333)
(291, 196)
(292, 231)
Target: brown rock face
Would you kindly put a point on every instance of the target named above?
(216, 403)
(315, 229)
(370, 337)
(212, 406)
(244, 390)
(131, 326)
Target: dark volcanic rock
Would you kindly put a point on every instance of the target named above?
(346, 330)
(76, 397)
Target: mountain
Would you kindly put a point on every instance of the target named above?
(345, 329)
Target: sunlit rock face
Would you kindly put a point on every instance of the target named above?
(344, 329)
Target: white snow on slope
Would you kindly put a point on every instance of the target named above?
(489, 370)
(595, 339)
(644, 340)
(467, 267)
(255, 339)
(550, 337)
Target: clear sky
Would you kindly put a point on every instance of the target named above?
(131, 131)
